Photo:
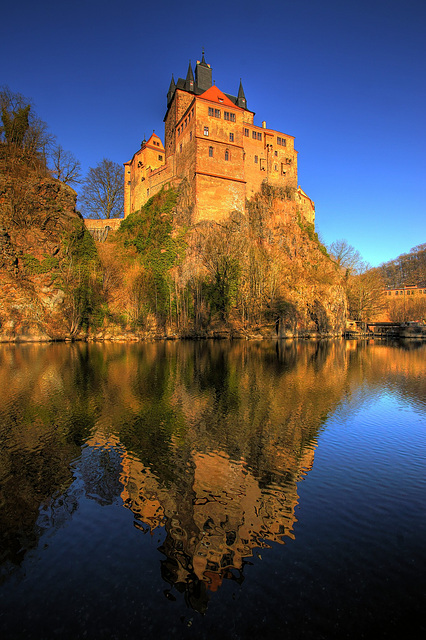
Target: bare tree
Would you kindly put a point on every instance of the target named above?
(364, 285)
(347, 257)
(365, 295)
(21, 126)
(103, 191)
(65, 166)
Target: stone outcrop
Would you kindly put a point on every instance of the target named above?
(258, 274)
(41, 237)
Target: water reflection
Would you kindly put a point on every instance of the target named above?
(205, 441)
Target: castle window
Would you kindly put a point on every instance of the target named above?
(246, 133)
(217, 113)
(276, 167)
(227, 155)
(147, 192)
(211, 111)
(275, 153)
(160, 157)
(256, 159)
(210, 152)
(231, 137)
(180, 147)
(259, 135)
(206, 131)
(190, 136)
(253, 135)
(229, 116)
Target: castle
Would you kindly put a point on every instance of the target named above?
(212, 143)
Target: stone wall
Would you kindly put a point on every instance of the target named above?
(224, 158)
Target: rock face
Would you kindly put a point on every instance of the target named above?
(41, 236)
(259, 274)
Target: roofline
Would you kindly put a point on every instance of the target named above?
(256, 126)
(198, 95)
(147, 146)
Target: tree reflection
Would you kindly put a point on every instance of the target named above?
(206, 441)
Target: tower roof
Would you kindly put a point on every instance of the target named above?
(214, 94)
(201, 84)
(189, 82)
(241, 98)
(203, 61)
(172, 84)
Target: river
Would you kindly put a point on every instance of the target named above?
(212, 489)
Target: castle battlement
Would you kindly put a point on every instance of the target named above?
(211, 141)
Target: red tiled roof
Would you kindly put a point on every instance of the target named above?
(214, 94)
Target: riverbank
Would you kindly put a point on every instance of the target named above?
(220, 334)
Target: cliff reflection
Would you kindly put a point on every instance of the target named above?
(204, 440)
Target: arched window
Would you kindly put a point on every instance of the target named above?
(210, 152)
(227, 155)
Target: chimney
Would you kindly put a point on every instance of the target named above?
(264, 124)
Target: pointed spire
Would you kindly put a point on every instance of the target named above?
(171, 91)
(203, 61)
(189, 82)
(241, 98)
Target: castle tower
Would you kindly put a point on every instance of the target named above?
(241, 99)
(171, 91)
(189, 82)
(203, 75)
(214, 148)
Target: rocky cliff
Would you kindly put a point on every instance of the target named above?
(47, 257)
(260, 274)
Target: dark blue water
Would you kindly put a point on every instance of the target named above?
(212, 490)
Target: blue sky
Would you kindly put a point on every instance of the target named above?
(347, 79)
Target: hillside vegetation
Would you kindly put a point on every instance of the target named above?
(258, 274)
(254, 274)
(408, 268)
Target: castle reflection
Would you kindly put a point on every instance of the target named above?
(204, 441)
